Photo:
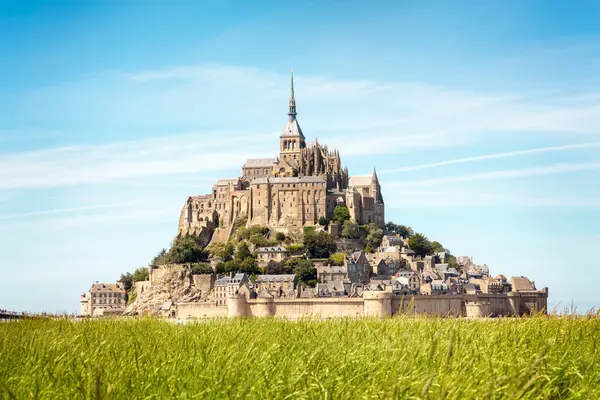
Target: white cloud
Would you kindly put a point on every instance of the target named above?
(62, 211)
(492, 157)
(504, 174)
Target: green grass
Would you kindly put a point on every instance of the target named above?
(542, 357)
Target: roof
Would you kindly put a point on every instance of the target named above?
(227, 280)
(260, 162)
(522, 284)
(291, 179)
(115, 287)
(166, 305)
(227, 181)
(272, 249)
(330, 269)
(361, 180)
(276, 278)
(292, 129)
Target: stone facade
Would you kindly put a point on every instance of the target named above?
(372, 304)
(103, 299)
(306, 182)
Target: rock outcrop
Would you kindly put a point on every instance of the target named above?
(176, 285)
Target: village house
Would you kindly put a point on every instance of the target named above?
(266, 255)
(328, 273)
(229, 285)
(412, 277)
(386, 268)
(276, 285)
(103, 299)
(392, 241)
(334, 288)
(358, 267)
(435, 287)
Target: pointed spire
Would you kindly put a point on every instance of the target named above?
(374, 176)
(292, 112)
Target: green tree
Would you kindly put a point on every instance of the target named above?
(224, 251)
(161, 258)
(277, 268)
(187, 249)
(419, 244)
(242, 252)
(341, 214)
(201, 268)
(337, 259)
(402, 230)
(319, 245)
(304, 269)
(295, 249)
(350, 230)
(374, 235)
(128, 279)
(279, 236)
(436, 247)
(323, 221)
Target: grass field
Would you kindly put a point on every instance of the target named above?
(542, 357)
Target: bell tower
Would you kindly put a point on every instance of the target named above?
(291, 140)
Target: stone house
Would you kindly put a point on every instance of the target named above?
(358, 267)
(392, 241)
(435, 287)
(328, 273)
(332, 289)
(266, 255)
(103, 299)
(414, 282)
(229, 285)
(276, 285)
(386, 268)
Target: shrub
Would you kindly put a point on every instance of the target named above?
(323, 221)
(295, 249)
(350, 230)
(201, 268)
(337, 259)
(279, 236)
(341, 214)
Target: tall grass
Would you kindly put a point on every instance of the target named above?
(542, 357)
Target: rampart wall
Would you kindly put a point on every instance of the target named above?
(376, 303)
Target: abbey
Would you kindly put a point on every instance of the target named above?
(306, 182)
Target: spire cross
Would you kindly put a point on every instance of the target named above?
(292, 112)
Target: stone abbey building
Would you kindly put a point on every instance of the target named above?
(306, 182)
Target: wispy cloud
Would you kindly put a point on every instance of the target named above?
(63, 211)
(504, 174)
(75, 165)
(494, 156)
(461, 199)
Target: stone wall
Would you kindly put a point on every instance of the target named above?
(200, 310)
(373, 303)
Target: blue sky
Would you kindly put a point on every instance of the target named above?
(483, 119)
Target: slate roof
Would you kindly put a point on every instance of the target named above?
(272, 249)
(292, 179)
(114, 287)
(276, 278)
(292, 129)
(260, 162)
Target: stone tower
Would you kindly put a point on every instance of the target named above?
(291, 141)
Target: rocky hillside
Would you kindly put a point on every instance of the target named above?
(176, 285)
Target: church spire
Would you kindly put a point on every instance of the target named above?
(292, 112)
(374, 176)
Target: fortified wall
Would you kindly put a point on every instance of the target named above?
(372, 304)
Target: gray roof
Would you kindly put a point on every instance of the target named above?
(292, 129)
(292, 179)
(331, 269)
(166, 305)
(115, 287)
(260, 162)
(276, 278)
(272, 249)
